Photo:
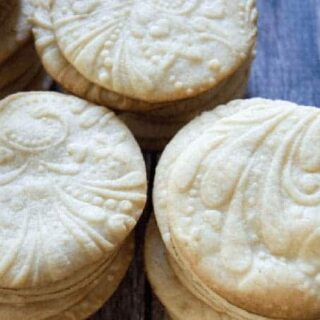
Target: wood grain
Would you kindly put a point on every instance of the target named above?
(287, 64)
(287, 67)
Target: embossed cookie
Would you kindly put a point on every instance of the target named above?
(81, 304)
(73, 184)
(121, 67)
(105, 287)
(65, 73)
(161, 59)
(236, 199)
(148, 50)
(178, 301)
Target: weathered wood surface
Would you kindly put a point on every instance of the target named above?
(287, 67)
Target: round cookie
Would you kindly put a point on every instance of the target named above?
(80, 170)
(153, 129)
(85, 302)
(181, 110)
(169, 41)
(237, 207)
(178, 301)
(105, 288)
(65, 74)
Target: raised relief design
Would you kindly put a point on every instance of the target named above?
(254, 182)
(61, 177)
(134, 46)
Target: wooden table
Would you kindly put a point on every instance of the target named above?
(287, 67)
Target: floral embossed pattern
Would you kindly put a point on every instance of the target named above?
(242, 207)
(69, 194)
(148, 49)
(177, 299)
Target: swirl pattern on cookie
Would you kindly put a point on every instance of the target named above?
(148, 49)
(242, 199)
(72, 182)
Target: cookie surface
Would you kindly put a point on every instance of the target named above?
(179, 302)
(241, 197)
(73, 184)
(169, 41)
(73, 81)
(169, 156)
(105, 287)
(79, 304)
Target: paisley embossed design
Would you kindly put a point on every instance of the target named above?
(48, 130)
(72, 187)
(139, 48)
(259, 172)
(176, 7)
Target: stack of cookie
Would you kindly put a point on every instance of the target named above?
(72, 186)
(20, 67)
(236, 200)
(157, 63)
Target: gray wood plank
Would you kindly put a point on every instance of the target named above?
(287, 64)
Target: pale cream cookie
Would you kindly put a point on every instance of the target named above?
(65, 73)
(153, 129)
(148, 50)
(236, 198)
(178, 301)
(170, 155)
(73, 184)
(81, 304)
(181, 110)
(104, 289)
